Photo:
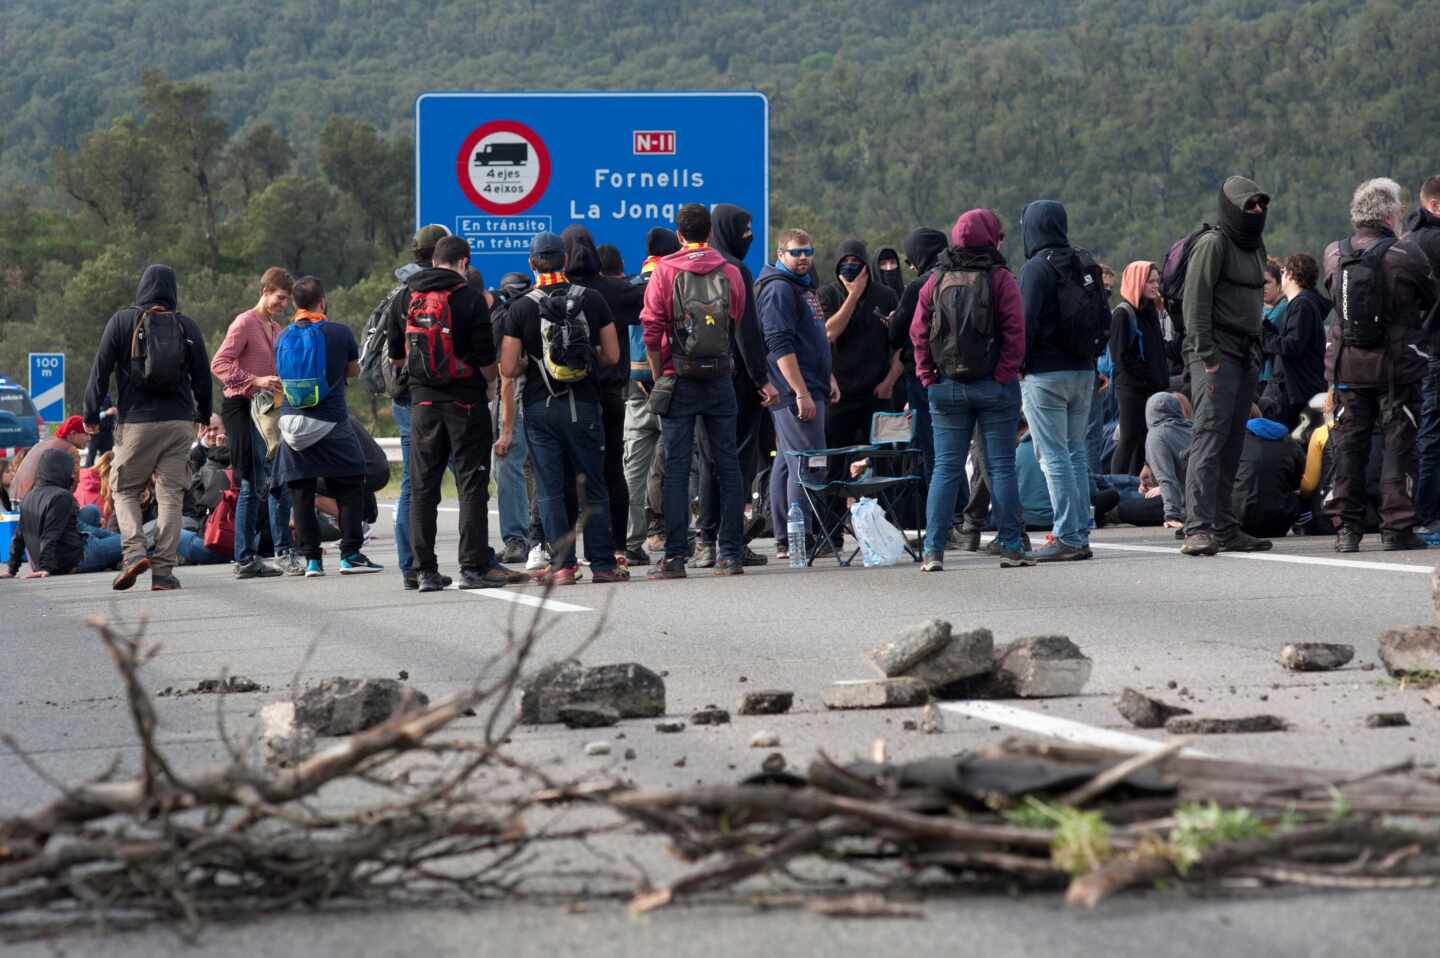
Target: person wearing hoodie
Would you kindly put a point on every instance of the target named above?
(968, 384)
(923, 247)
(1422, 228)
(158, 420)
(857, 310)
(1378, 388)
(1267, 482)
(49, 526)
(1224, 286)
(1137, 348)
(689, 350)
(1058, 383)
(1298, 344)
(887, 271)
(799, 356)
(730, 236)
(1168, 437)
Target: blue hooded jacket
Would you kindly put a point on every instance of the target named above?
(793, 322)
(1044, 226)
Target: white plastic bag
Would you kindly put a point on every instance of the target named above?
(880, 542)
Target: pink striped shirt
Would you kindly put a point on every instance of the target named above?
(247, 352)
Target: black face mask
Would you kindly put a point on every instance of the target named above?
(851, 270)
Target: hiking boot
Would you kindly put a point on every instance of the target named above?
(637, 556)
(163, 582)
(1200, 544)
(358, 564)
(1401, 541)
(605, 576)
(1244, 542)
(1348, 540)
(537, 559)
(933, 563)
(257, 568)
(730, 567)
(314, 568)
(290, 564)
(970, 538)
(515, 551)
(412, 581)
(670, 567)
(432, 582)
(749, 557)
(503, 576)
(129, 573)
(547, 576)
(475, 579)
(1015, 557)
(994, 546)
(1056, 550)
(958, 538)
(704, 555)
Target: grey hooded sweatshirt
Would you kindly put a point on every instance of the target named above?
(1167, 449)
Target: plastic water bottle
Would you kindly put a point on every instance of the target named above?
(795, 531)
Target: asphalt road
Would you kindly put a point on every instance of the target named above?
(1144, 614)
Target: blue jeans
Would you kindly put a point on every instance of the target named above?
(509, 472)
(1427, 447)
(924, 440)
(103, 550)
(401, 414)
(1057, 407)
(713, 401)
(561, 431)
(192, 548)
(1095, 427)
(247, 505)
(955, 408)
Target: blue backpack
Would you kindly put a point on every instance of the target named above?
(300, 364)
(639, 362)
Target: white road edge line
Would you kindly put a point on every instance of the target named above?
(1271, 557)
(1066, 730)
(522, 598)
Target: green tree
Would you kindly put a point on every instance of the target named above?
(189, 135)
(375, 171)
(257, 159)
(114, 176)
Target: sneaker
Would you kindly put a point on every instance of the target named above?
(782, 550)
(257, 568)
(1244, 542)
(475, 579)
(1348, 540)
(129, 573)
(749, 557)
(730, 567)
(637, 556)
(1401, 541)
(502, 576)
(314, 569)
(163, 582)
(993, 547)
(538, 560)
(668, 568)
(704, 555)
(290, 564)
(1055, 550)
(933, 563)
(555, 577)
(432, 582)
(514, 551)
(358, 564)
(606, 576)
(1015, 557)
(958, 538)
(970, 538)
(1200, 544)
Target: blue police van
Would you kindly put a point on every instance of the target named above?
(19, 423)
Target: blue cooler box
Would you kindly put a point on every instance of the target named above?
(8, 522)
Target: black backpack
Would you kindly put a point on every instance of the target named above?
(158, 351)
(963, 341)
(1359, 288)
(1082, 327)
(377, 373)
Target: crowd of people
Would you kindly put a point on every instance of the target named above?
(671, 417)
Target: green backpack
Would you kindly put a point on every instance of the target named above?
(700, 346)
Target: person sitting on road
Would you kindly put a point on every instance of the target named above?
(70, 438)
(1267, 481)
(1170, 429)
(50, 527)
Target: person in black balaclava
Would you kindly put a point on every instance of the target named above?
(887, 270)
(731, 236)
(923, 247)
(1224, 280)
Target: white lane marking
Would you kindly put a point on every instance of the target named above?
(1271, 557)
(1066, 730)
(523, 598)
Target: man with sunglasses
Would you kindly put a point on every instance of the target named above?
(1224, 305)
(799, 357)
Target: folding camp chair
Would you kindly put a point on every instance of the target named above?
(891, 439)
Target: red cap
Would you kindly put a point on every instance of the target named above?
(73, 424)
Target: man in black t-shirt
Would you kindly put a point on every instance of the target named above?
(563, 424)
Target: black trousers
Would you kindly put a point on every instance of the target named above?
(440, 432)
(349, 495)
(750, 420)
(612, 420)
(1129, 456)
(1361, 411)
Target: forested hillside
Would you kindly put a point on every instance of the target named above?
(224, 137)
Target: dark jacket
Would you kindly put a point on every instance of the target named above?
(794, 322)
(892, 279)
(1046, 226)
(923, 247)
(47, 524)
(471, 333)
(582, 265)
(1409, 294)
(1225, 280)
(190, 402)
(1267, 482)
(1423, 229)
(1300, 347)
(1137, 348)
(727, 237)
(860, 355)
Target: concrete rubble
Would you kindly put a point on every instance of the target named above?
(1142, 711)
(1412, 649)
(876, 693)
(1316, 656)
(629, 688)
(1185, 725)
(344, 706)
(766, 702)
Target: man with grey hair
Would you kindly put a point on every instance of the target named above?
(1382, 287)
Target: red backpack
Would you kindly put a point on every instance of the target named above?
(430, 358)
(220, 527)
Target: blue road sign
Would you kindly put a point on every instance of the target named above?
(497, 168)
(47, 385)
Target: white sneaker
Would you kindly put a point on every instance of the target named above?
(538, 559)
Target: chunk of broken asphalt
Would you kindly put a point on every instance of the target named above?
(912, 645)
(710, 715)
(766, 702)
(588, 715)
(1386, 720)
(1142, 711)
(670, 726)
(1412, 649)
(1315, 656)
(1185, 725)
